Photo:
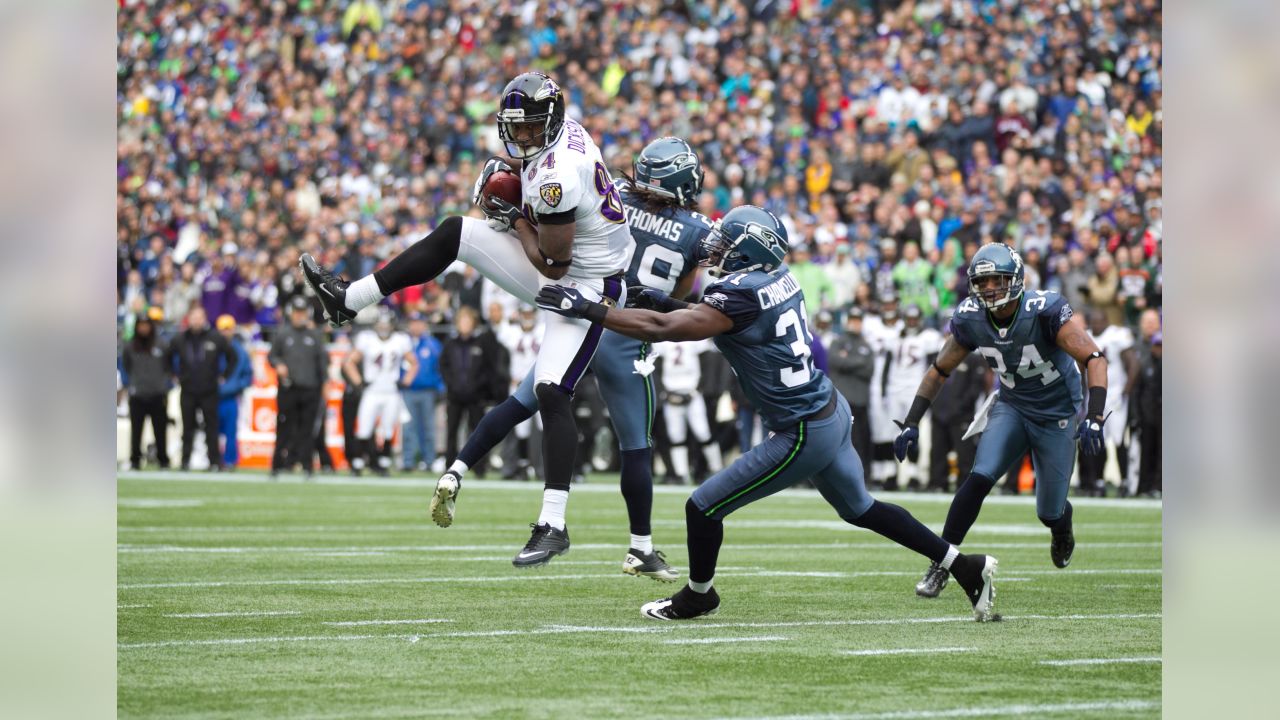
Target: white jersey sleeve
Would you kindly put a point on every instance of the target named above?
(570, 176)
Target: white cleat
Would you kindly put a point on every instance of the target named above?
(984, 600)
(445, 497)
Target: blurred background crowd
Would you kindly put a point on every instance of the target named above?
(892, 137)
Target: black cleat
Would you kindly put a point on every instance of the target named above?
(1061, 547)
(652, 565)
(545, 543)
(684, 605)
(330, 289)
(976, 574)
(934, 581)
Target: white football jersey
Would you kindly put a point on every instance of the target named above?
(524, 350)
(878, 336)
(681, 371)
(1112, 342)
(381, 359)
(911, 359)
(571, 176)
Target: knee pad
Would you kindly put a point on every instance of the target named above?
(553, 400)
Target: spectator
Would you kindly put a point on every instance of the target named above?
(230, 390)
(201, 359)
(468, 364)
(813, 279)
(145, 367)
(301, 362)
(852, 363)
(420, 397)
(1102, 290)
(1147, 411)
(913, 280)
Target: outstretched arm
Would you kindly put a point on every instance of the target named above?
(949, 358)
(697, 322)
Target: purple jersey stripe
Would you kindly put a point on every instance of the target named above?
(577, 368)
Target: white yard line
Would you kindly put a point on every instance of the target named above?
(339, 551)
(152, 503)
(610, 488)
(132, 606)
(537, 575)
(263, 613)
(359, 623)
(1101, 661)
(713, 641)
(637, 630)
(979, 712)
(905, 651)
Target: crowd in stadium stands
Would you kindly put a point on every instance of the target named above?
(892, 138)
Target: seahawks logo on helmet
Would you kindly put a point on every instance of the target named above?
(768, 238)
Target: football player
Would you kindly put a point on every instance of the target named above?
(374, 365)
(1032, 341)
(684, 410)
(881, 330)
(659, 199)
(908, 354)
(570, 230)
(756, 315)
(1117, 345)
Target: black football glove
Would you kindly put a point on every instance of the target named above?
(906, 440)
(491, 166)
(1089, 433)
(502, 214)
(570, 303)
(646, 298)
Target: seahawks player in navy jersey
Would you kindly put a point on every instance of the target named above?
(1033, 342)
(756, 315)
(658, 201)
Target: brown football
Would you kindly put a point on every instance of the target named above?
(505, 185)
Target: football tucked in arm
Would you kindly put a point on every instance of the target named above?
(505, 185)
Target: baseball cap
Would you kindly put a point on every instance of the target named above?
(155, 313)
(226, 322)
(299, 303)
(856, 312)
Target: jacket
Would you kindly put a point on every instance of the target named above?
(241, 377)
(146, 369)
(302, 350)
(199, 359)
(428, 351)
(469, 367)
(852, 364)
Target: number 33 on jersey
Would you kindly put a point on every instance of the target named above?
(1036, 376)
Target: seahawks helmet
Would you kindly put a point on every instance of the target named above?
(670, 168)
(747, 238)
(532, 101)
(1000, 261)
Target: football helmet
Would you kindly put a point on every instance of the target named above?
(747, 238)
(530, 114)
(669, 167)
(1002, 262)
(384, 325)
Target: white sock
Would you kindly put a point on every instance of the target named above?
(459, 467)
(553, 504)
(952, 554)
(643, 543)
(702, 588)
(715, 463)
(363, 293)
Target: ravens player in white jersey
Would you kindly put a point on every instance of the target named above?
(908, 354)
(570, 230)
(659, 199)
(1033, 342)
(375, 365)
(756, 315)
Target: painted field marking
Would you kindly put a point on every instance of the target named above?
(249, 613)
(132, 606)
(359, 550)
(596, 576)
(152, 503)
(358, 623)
(905, 651)
(1101, 661)
(712, 641)
(259, 478)
(626, 629)
(978, 712)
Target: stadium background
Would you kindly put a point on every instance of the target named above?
(249, 132)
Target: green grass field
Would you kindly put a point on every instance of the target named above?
(339, 599)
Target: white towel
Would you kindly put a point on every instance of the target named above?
(980, 420)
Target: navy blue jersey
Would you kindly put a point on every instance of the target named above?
(666, 242)
(768, 346)
(1037, 377)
